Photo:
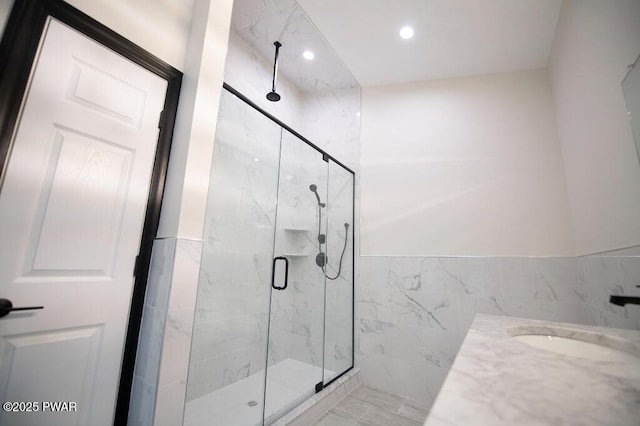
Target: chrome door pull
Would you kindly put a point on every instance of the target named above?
(6, 307)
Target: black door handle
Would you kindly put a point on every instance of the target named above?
(6, 307)
(286, 273)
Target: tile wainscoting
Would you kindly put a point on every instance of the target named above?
(412, 313)
(159, 384)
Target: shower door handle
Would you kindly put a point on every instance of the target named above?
(286, 273)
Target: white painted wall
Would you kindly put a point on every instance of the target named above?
(463, 166)
(185, 197)
(595, 41)
(162, 28)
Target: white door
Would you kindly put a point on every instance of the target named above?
(72, 208)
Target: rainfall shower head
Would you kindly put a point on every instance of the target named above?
(313, 188)
(273, 96)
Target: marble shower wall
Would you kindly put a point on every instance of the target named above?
(413, 313)
(296, 238)
(331, 120)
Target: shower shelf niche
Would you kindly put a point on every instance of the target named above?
(295, 254)
(297, 242)
(295, 230)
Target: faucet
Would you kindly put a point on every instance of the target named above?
(623, 300)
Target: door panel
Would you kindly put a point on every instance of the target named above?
(87, 181)
(296, 321)
(71, 213)
(73, 356)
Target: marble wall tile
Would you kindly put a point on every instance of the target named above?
(475, 276)
(160, 274)
(170, 404)
(600, 277)
(176, 345)
(603, 276)
(152, 329)
(560, 276)
(307, 349)
(150, 345)
(414, 344)
(413, 380)
(250, 73)
(341, 108)
(540, 278)
(186, 270)
(143, 399)
(630, 274)
(180, 317)
(418, 310)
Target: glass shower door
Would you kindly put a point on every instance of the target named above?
(229, 343)
(338, 340)
(295, 361)
(274, 310)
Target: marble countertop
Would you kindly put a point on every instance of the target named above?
(498, 380)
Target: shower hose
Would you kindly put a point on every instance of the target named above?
(344, 247)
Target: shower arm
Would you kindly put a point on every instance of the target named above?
(272, 95)
(277, 44)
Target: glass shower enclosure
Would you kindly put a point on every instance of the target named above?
(274, 312)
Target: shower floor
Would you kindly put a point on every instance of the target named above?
(290, 383)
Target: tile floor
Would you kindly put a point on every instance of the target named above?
(368, 407)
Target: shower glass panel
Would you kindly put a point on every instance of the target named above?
(295, 355)
(274, 310)
(229, 344)
(338, 340)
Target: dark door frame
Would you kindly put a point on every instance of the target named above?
(18, 50)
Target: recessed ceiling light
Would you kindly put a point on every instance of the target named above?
(308, 55)
(406, 33)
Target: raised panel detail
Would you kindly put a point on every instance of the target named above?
(80, 214)
(50, 366)
(106, 93)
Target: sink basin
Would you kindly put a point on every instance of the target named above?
(576, 348)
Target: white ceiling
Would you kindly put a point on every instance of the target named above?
(452, 37)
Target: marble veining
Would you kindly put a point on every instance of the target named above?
(497, 380)
(412, 313)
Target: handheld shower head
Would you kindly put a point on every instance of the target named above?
(313, 188)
